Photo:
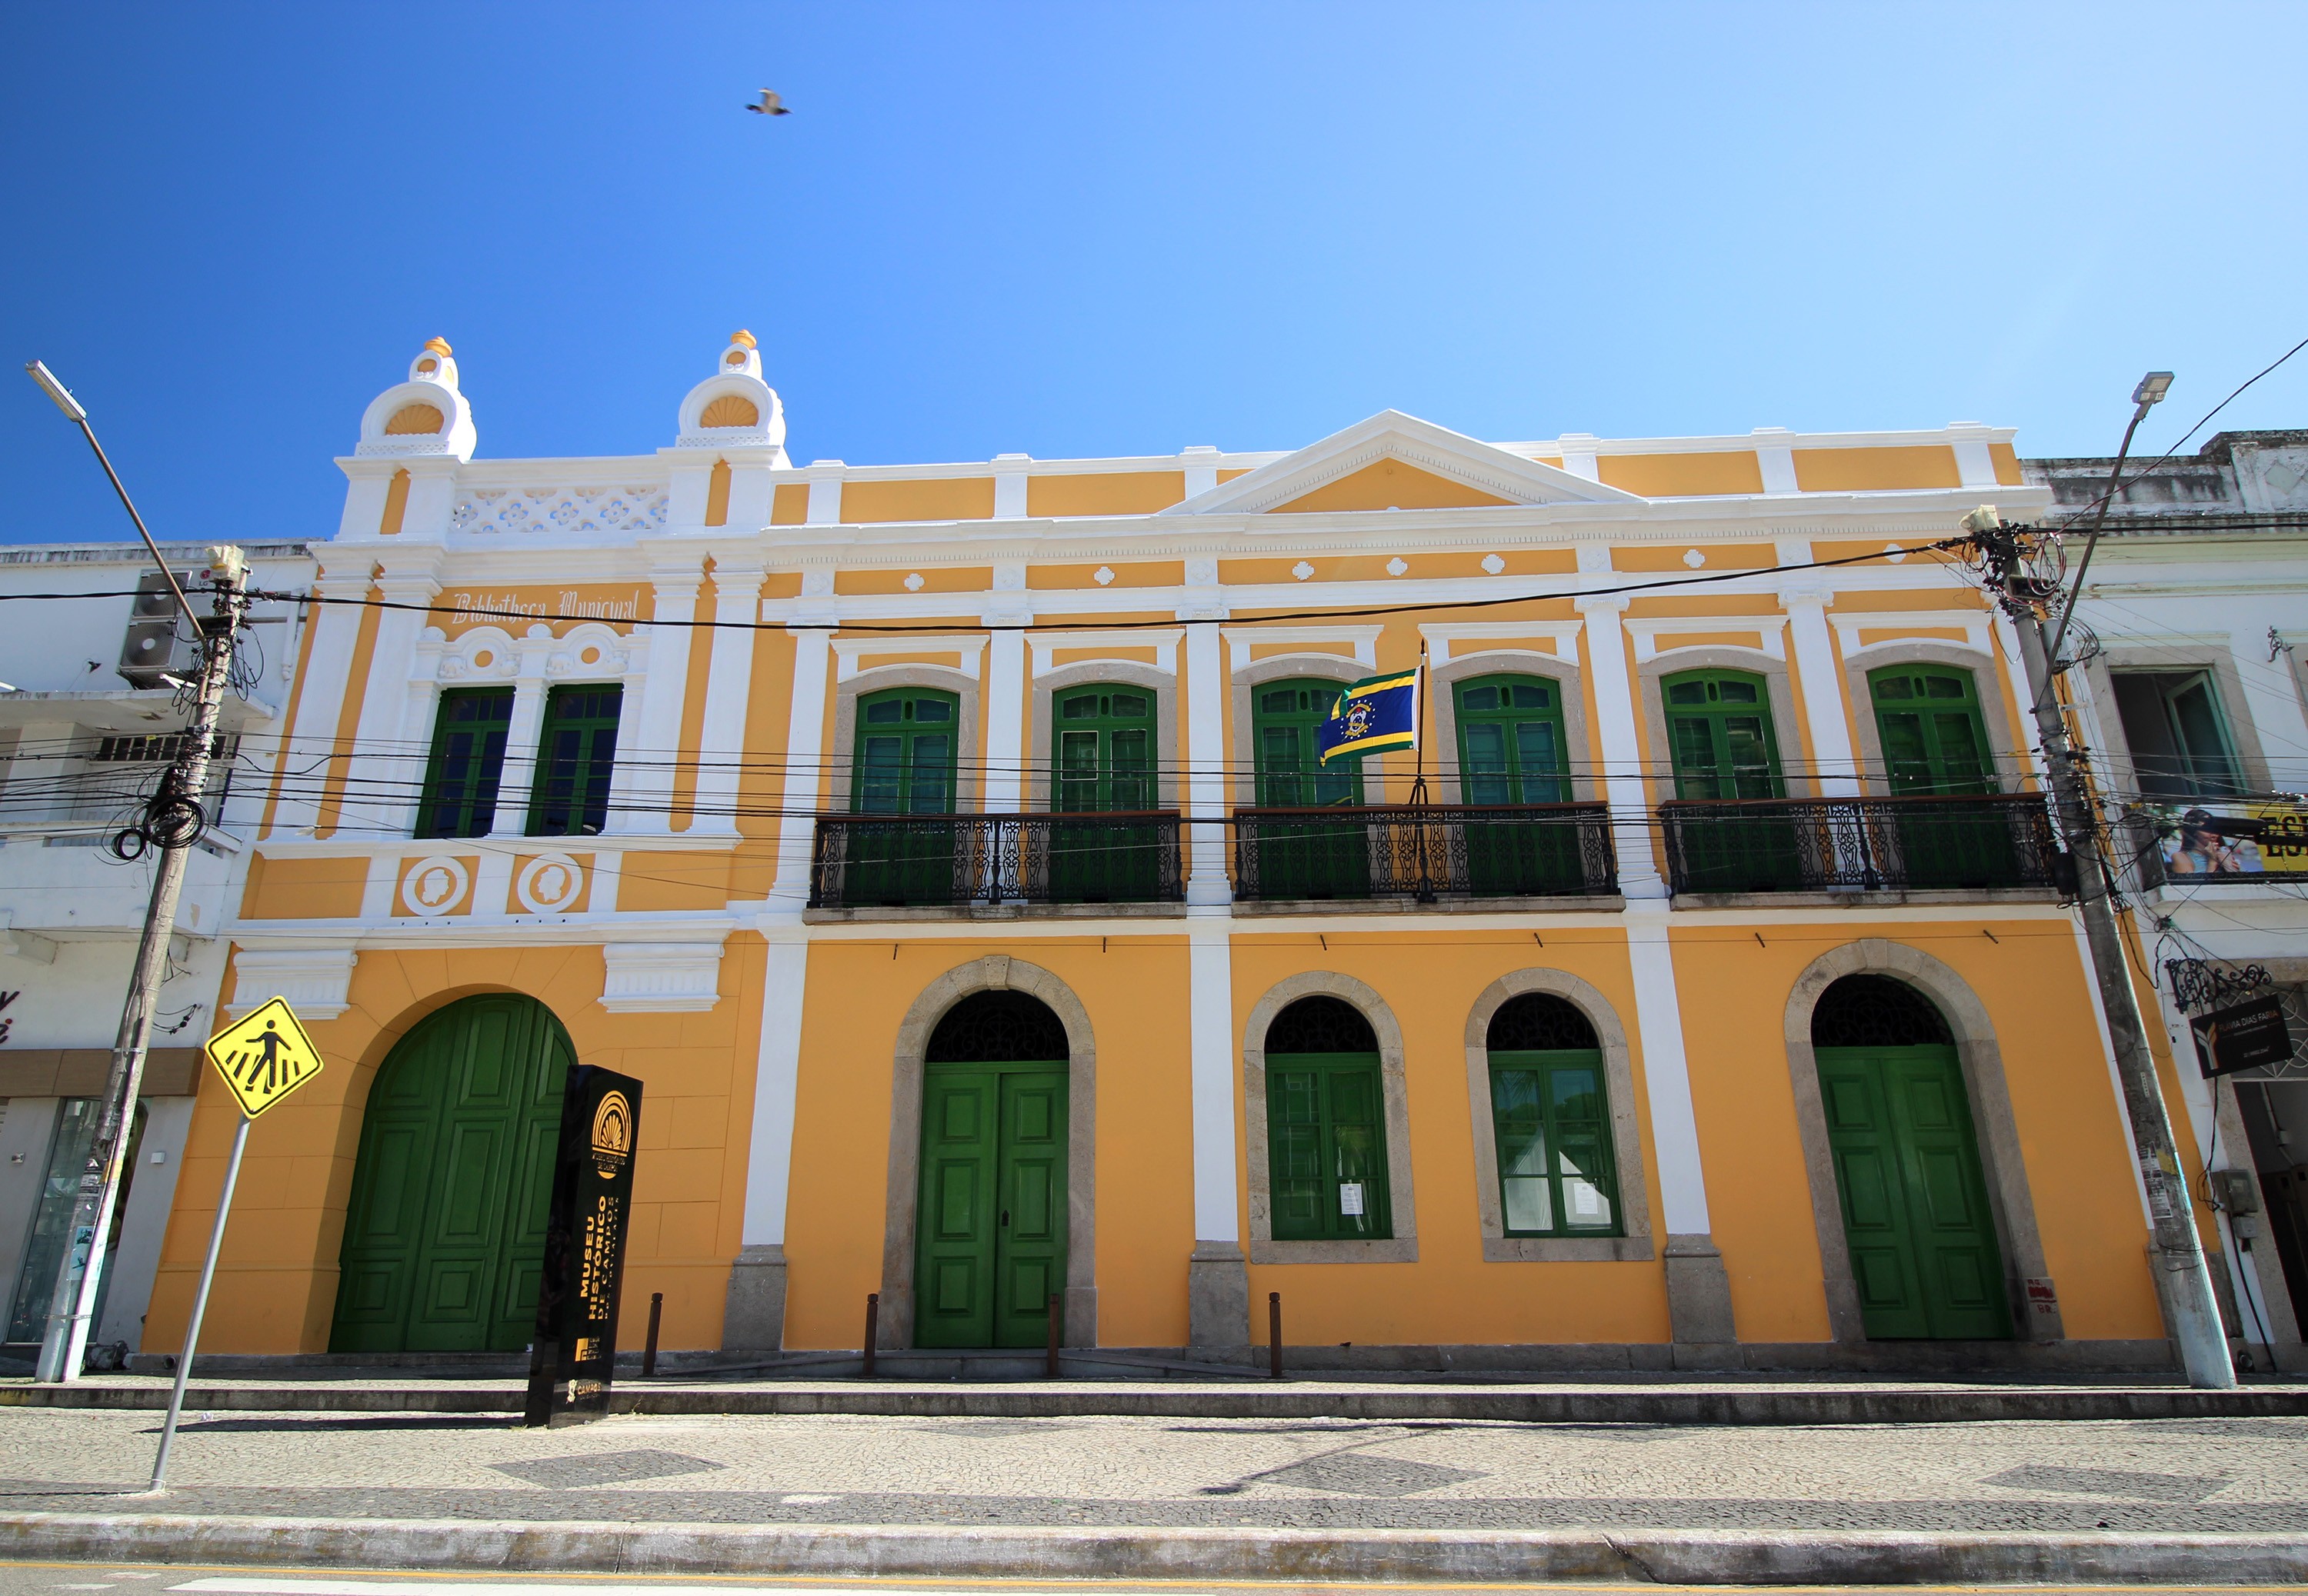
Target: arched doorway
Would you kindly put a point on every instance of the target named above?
(1326, 1125)
(1916, 1221)
(445, 1231)
(991, 1233)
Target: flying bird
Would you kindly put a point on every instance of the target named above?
(768, 106)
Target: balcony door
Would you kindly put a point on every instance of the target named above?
(1104, 756)
(904, 765)
(1315, 858)
(1936, 746)
(1719, 736)
(1511, 751)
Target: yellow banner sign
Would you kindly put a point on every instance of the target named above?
(265, 1057)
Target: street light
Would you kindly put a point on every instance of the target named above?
(2145, 397)
(79, 1270)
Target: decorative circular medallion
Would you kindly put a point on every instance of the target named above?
(548, 883)
(435, 886)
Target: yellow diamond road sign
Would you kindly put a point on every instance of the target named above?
(265, 1057)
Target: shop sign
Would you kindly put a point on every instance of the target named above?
(575, 1351)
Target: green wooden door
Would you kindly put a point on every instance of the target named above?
(1915, 1216)
(467, 768)
(1104, 757)
(905, 764)
(991, 1226)
(1326, 1148)
(1311, 858)
(1511, 752)
(445, 1231)
(1936, 746)
(1719, 734)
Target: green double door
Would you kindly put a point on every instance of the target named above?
(1915, 1216)
(904, 765)
(1936, 746)
(1313, 858)
(1105, 738)
(445, 1236)
(991, 1225)
(1718, 727)
(1511, 752)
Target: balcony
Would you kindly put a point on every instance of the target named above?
(1859, 845)
(962, 860)
(1425, 853)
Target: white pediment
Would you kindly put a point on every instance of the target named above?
(1434, 451)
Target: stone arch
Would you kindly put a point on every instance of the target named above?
(1282, 667)
(970, 782)
(994, 972)
(1626, 1135)
(1161, 684)
(1577, 756)
(1982, 1061)
(1788, 727)
(1402, 1247)
(2007, 752)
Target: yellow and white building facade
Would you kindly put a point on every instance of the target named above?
(943, 847)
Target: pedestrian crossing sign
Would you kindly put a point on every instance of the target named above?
(265, 1057)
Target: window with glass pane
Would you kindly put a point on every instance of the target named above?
(2179, 734)
(907, 747)
(1551, 1115)
(1510, 744)
(1718, 726)
(576, 755)
(1934, 742)
(1104, 750)
(468, 764)
(1284, 718)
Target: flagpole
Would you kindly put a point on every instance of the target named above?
(1418, 797)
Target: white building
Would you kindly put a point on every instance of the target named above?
(2197, 703)
(80, 744)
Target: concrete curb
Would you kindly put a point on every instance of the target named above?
(1679, 1405)
(1673, 1556)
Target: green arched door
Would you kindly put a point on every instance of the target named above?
(445, 1231)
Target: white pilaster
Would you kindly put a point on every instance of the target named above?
(1667, 1071)
(1211, 1030)
(1623, 757)
(1974, 465)
(650, 748)
(728, 688)
(825, 495)
(1579, 455)
(1005, 690)
(1201, 468)
(1775, 457)
(522, 733)
(328, 683)
(1837, 766)
(805, 761)
(769, 1166)
(1010, 485)
(1204, 790)
(385, 772)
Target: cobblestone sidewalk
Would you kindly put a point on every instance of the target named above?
(2163, 1476)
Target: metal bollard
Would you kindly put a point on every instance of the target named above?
(648, 1348)
(1274, 1334)
(872, 1324)
(1051, 1370)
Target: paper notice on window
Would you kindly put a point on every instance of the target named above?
(1351, 1199)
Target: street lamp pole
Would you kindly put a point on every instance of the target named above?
(2183, 1278)
(172, 821)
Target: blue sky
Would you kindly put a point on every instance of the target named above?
(1100, 228)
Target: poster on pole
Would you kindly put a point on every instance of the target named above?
(575, 1351)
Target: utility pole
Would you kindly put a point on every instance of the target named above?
(172, 821)
(2183, 1280)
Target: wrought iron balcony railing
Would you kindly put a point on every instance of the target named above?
(862, 861)
(1424, 851)
(1813, 845)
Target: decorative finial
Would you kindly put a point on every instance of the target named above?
(739, 336)
(439, 346)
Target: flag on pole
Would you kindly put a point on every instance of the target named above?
(1372, 715)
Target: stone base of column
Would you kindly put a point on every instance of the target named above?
(753, 1319)
(1080, 1325)
(1699, 1303)
(1218, 1296)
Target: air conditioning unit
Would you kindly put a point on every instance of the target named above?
(159, 638)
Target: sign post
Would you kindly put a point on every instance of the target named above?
(575, 1351)
(262, 1059)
